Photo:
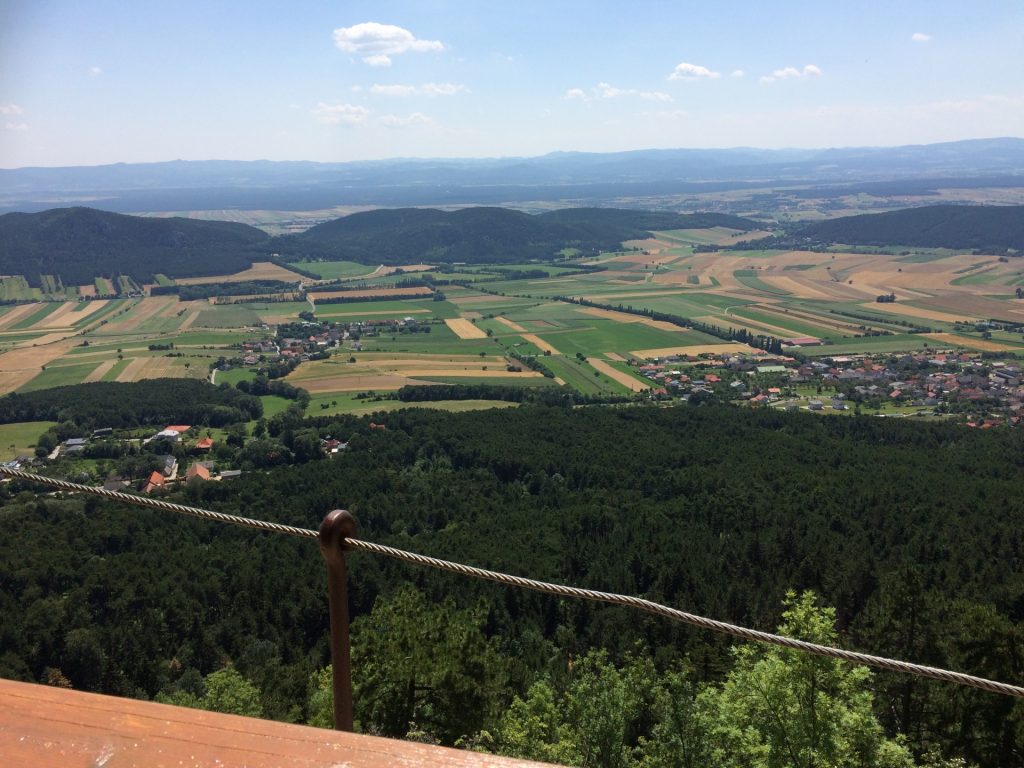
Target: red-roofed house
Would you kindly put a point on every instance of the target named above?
(205, 444)
(179, 428)
(154, 483)
(197, 471)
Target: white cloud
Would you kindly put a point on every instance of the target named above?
(792, 73)
(427, 89)
(609, 91)
(393, 90)
(685, 71)
(10, 109)
(377, 43)
(442, 89)
(95, 71)
(341, 114)
(396, 121)
(737, 73)
(920, 37)
(15, 126)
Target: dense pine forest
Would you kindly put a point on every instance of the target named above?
(909, 534)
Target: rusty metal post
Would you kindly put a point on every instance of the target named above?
(335, 528)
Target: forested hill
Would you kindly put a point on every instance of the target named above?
(79, 244)
(910, 530)
(407, 235)
(993, 229)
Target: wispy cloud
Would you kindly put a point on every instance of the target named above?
(427, 89)
(686, 71)
(11, 109)
(737, 73)
(792, 73)
(341, 114)
(609, 91)
(95, 71)
(397, 121)
(15, 126)
(377, 43)
(920, 37)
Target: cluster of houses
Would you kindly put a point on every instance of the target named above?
(169, 472)
(939, 381)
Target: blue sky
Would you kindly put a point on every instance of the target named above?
(105, 81)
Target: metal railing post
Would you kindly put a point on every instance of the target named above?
(335, 528)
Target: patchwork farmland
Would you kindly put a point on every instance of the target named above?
(586, 325)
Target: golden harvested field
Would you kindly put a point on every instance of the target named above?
(464, 328)
(926, 314)
(20, 366)
(369, 293)
(45, 340)
(473, 299)
(624, 317)
(615, 374)
(538, 342)
(191, 317)
(980, 344)
(100, 371)
(361, 383)
(140, 312)
(260, 270)
(728, 348)
(133, 371)
(71, 313)
(615, 356)
(1011, 310)
(87, 290)
(385, 371)
(509, 324)
(17, 314)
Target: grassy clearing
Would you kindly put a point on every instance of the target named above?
(272, 405)
(334, 270)
(20, 439)
(347, 402)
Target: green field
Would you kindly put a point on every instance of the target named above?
(20, 439)
(57, 375)
(329, 405)
(334, 270)
(16, 288)
(384, 310)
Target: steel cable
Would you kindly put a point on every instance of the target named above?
(558, 590)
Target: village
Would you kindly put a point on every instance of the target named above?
(986, 392)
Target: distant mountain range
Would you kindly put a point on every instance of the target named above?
(216, 184)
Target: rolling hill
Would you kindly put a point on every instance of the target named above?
(470, 235)
(986, 228)
(82, 243)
